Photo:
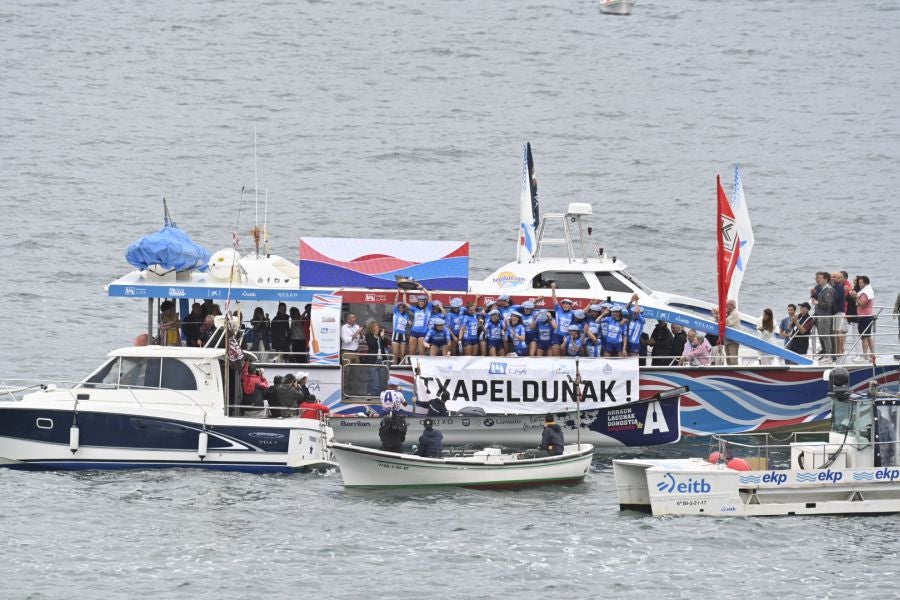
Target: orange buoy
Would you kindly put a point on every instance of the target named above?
(738, 464)
(715, 457)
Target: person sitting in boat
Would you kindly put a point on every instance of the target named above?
(438, 339)
(574, 342)
(437, 407)
(543, 326)
(515, 334)
(552, 440)
(431, 442)
(392, 432)
(392, 400)
(401, 321)
(564, 315)
(420, 313)
(254, 386)
(493, 333)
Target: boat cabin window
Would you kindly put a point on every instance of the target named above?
(887, 419)
(168, 373)
(108, 374)
(612, 283)
(565, 280)
(840, 416)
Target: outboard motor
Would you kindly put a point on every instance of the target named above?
(839, 383)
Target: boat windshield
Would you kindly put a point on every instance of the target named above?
(129, 371)
(840, 416)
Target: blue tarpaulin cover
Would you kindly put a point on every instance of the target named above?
(170, 248)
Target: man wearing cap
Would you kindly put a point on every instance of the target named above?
(431, 442)
(801, 325)
(552, 440)
(564, 316)
(392, 399)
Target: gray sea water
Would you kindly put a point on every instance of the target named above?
(406, 119)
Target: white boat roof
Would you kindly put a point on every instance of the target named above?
(167, 351)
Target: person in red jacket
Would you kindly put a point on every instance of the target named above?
(254, 384)
(310, 409)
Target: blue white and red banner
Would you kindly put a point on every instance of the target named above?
(325, 329)
(364, 263)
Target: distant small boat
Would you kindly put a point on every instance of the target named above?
(616, 7)
(488, 468)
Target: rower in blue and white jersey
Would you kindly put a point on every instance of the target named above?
(543, 328)
(515, 334)
(438, 338)
(421, 316)
(493, 333)
(469, 328)
(574, 342)
(594, 342)
(504, 306)
(613, 331)
(635, 326)
(564, 316)
(454, 319)
(528, 315)
(401, 321)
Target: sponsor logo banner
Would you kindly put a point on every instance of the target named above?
(527, 385)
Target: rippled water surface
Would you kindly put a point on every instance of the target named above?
(406, 119)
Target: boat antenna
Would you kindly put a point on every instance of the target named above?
(255, 187)
(266, 250)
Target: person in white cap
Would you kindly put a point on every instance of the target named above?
(392, 399)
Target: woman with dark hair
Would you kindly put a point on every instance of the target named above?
(766, 329)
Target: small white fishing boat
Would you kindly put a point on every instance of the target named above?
(616, 7)
(488, 468)
(153, 407)
(855, 469)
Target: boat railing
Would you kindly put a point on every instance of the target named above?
(762, 451)
(15, 389)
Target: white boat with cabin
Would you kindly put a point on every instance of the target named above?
(485, 469)
(852, 469)
(152, 407)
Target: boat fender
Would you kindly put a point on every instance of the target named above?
(801, 459)
(714, 457)
(738, 464)
(74, 435)
(202, 441)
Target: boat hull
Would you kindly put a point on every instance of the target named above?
(368, 468)
(617, 7)
(41, 438)
(696, 487)
(622, 426)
